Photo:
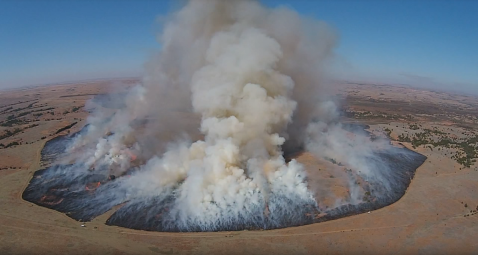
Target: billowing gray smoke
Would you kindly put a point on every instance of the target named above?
(243, 68)
(254, 76)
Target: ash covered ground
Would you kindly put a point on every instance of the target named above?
(93, 192)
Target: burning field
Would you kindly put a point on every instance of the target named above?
(255, 82)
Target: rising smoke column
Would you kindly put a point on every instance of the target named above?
(251, 82)
(253, 75)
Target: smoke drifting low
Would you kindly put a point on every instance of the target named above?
(252, 79)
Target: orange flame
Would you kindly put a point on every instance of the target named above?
(93, 188)
(131, 155)
(45, 197)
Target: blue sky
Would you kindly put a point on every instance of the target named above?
(426, 42)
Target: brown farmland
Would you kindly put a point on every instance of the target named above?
(437, 215)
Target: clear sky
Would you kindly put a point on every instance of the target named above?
(425, 42)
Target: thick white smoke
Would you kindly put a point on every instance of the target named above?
(200, 143)
(251, 78)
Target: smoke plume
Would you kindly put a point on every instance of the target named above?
(253, 75)
(200, 142)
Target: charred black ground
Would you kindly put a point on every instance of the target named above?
(82, 197)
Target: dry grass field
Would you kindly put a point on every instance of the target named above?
(437, 215)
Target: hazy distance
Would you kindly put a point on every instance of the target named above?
(431, 44)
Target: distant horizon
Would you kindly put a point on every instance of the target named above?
(358, 82)
(423, 44)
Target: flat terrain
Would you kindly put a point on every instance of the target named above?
(437, 215)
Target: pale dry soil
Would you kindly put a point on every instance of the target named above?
(428, 219)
